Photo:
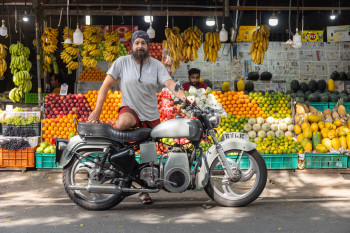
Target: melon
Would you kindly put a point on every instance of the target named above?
(262, 134)
(283, 127)
(260, 120)
(266, 127)
(270, 120)
(270, 134)
(252, 134)
(288, 134)
(274, 127)
(252, 121)
(288, 121)
(247, 127)
(279, 133)
(291, 128)
(256, 127)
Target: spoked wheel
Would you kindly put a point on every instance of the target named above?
(250, 181)
(83, 172)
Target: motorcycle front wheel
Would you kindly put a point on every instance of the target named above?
(82, 172)
(253, 176)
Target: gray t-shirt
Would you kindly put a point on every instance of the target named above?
(141, 97)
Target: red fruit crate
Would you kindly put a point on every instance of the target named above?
(17, 158)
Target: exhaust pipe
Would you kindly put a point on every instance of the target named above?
(109, 189)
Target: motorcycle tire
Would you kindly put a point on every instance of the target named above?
(209, 189)
(89, 205)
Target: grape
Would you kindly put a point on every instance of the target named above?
(15, 144)
(19, 132)
(18, 120)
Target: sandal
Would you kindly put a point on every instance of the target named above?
(145, 198)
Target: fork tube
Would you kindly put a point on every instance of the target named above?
(222, 156)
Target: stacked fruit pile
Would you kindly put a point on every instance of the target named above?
(259, 128)
(60, 127)
(123, 51)
(45, 147)
(56, 105)
(91, 42)
(110, 107)
(93, 74)
(19, 120)
(70, 52)
(166, 107)
(111, 45)
(231, 123)
(322, 131)
(155, 50)
(273, 104)
(3, 64)
(14, 144)
(211, 47)
(239, 104)
(20, 67)
(193, 42)
(49, 46)
(281, 145)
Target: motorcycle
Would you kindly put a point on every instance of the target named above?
(100, 168)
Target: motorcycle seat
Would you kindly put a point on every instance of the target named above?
(106, 131)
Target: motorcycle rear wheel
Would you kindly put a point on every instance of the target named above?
(228, 194)
(88, 201)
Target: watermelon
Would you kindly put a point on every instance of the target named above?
(321, 85)
(253, 76)
(312, 85)
(249, 86)
(335, 75)
(342, 76)
(304, 87)
(265, 76)
(294, 85)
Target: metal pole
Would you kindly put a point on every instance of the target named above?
(36, 7)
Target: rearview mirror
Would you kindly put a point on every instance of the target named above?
(178, 86)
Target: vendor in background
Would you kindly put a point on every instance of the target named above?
(56, 80)
(194, 77)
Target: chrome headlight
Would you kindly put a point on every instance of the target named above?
(215, 120)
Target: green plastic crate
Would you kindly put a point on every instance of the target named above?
(281, 161)
(320, 106)
(315, 160)
(46, 160)
(332, 104)
(32, 98)
(347, 107)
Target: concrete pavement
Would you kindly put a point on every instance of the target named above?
(291, 202)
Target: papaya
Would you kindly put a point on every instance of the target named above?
(342, 131)
(328, 125)
(313, 118)
(316, 139)
(297, 129)
(320, 125)
(338, 123)
(348, 140)
(314, 127)
(321, 148)
(308, 146)
(336, 143)
(327, 143)
(307, 133)
(348, 122)
(342, 140)
(304, 141)
(300, 137)
(331, 134)
(324, 132)
(331, 85)
(305, 125)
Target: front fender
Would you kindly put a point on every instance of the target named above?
(76, 144)
(227, 145)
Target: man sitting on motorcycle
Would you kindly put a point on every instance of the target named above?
(139, 76)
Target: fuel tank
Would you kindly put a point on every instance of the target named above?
(178, 128)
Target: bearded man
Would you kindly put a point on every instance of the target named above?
(194, 76)
(139, 76)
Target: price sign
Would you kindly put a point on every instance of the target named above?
(64, 89)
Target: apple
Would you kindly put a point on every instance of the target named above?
(74, 109)
(87, 105)
(75, 100)
(72, 105)
(82, 105)
(59, 109)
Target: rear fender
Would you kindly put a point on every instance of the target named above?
(77, 144)
(211, 154)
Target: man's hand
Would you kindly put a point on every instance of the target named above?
(191, 100)
(94, 117)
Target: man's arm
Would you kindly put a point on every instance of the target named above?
(108, 83)
(170, 84)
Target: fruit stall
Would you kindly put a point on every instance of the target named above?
(296, 122)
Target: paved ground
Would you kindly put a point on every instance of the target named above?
(292, 202)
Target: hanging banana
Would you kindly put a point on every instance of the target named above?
(260, 44)
(211, 47)
(193, 43)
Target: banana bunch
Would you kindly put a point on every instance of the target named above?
(211, 47)
(90, 46)
(70, 52)
(19, 58)
(3, 64)
(22, 80)
(260, 44)
(16, 94)
(193, 42)
(111, 45)
(175, 44)
(127, 35)
(48, 42)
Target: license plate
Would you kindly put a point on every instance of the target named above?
(234, 135)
